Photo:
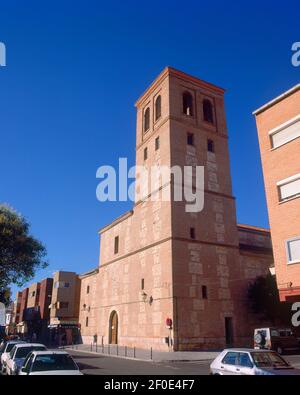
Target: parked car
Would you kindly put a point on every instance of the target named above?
(251, 363)
(50, 363)
(276, 339)
(18, 355)
(5, 349)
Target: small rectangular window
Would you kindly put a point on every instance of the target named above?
(146, 153)
(143, 284)
(190, 139)
(285, 133)
(293, 250)
(87, 321)
(88, 289)
(210, 146)
(157, 144)
(116, 249)
(192, 233)
(204, 292)
(289, 188)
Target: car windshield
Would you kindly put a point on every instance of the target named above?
(268, 360)
(10, 346)
(48, 362)
(22, 352)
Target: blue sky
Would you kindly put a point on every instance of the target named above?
(74, 70)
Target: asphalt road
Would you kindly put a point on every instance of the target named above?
(102, 365)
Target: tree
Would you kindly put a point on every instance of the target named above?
(20, 253)
(264, 299)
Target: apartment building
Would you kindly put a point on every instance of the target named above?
(278, 125)
(64, 308)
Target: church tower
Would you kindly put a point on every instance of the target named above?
(181, 122)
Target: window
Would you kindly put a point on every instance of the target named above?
(87, 321)
(285, 133)
(53, 362)
(192, 233)
(208, 114)
(63, 305)
(293, 250)
(190, 139)
(210, 146)
(158, 108)
(143, 284)
(116, 249)
(157, 143)
(245, 361)
(187, 102)
(289, 187)
(88, 289)
(204, 292)
(145, 153)
(61, 284)
(231, 358)
(147, 120)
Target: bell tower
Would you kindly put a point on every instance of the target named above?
(181, 122)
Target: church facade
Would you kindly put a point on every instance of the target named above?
(167, 278)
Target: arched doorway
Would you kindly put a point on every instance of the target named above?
(113, 328)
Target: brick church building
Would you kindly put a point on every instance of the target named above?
(170, 279)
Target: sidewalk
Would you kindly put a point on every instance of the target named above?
(145, 355)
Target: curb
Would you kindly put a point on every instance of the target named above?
(110, 355)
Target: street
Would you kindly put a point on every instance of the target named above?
(102, 365)
(91, 364)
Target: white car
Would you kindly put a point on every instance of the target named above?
(50, 363)
(18, 354)
(251, 363)
(5, 349)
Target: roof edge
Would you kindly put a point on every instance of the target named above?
(172, 71)
(277, 99)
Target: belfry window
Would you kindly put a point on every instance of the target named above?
(147, 120)
(208, 113)
(158, 108)
(187, 102)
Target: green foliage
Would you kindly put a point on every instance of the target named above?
(20, 253)
(5, 295)
(264, 299)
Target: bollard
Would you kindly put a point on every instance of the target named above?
(96, 347)
(125, 351)
(151, 354)
(134, 352)
(117, 349)
(109, 349)
(91, 346)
